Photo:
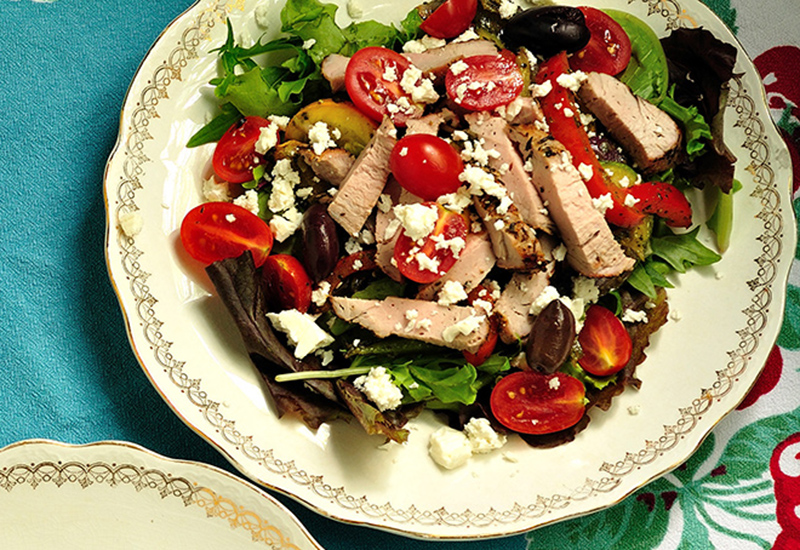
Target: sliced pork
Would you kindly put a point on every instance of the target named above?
(510, 169)
(455, 327)
(512, 309)
(473, 265)
(591, 247)
(523, 110)
(436, 60)
(364, 183)
(333, 70)
(332, 165)
(514, 241)
(646, 132)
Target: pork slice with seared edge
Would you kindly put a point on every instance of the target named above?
(362, 186)
(473, 265)
(455, 327)
(591, 247)
(512, 309)
(646, 132)
(332, 165)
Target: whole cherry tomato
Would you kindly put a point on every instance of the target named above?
(218, 230)
(426, 166)
(450, 19)
(609, 47)
(286, 283)
(530, 402)
(605, 343)
(235, 156)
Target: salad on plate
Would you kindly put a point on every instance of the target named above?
(477, 211)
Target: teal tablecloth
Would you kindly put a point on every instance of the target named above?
(68, 372)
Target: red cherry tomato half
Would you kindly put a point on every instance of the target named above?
(605, 343)
(286, 283)
(664, 200)
(450, 19)
(427, 261)
(487, 82)
(609, 48)
(218, 230)
(530, 402)
(426, 166)
(372, 80)
(235, 155)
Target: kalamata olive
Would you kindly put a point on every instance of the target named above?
(546, 30)
(551, 338)
(320, 242)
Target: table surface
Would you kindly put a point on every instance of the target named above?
(69, 373)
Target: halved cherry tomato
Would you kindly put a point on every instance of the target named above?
(372, 80)
(487, 82)
(561, 113)
(437, 257)
(605, 343)
(482, 292)
(664, 200)
(218, 230)
(450, 19)
(609, 48)
(235, 156)
(530, 402)
(426, 166)
(286, 283)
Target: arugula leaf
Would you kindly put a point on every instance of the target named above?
(214, 130)
(697, 132)
(683, 251)
(649, 275)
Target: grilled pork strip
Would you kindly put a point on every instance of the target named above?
(646, 132)
(591, 247)
(473, 265)
(513, 307)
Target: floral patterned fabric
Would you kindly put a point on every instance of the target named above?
(69, 373)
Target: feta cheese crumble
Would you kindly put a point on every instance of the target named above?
(301, 330)
(451, 293)
(131, 223)
(633, 316)
(417, 220)
(378, 386)
(482, 436)
(449, 448)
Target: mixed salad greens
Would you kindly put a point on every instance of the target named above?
(368, 231)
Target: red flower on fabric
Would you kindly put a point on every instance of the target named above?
(767, 380)
(785, 469)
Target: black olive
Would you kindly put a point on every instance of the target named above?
(320, 242)
(547, 30)
(551, 338)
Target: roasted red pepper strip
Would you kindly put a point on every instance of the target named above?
(664, 200)
(561, 112)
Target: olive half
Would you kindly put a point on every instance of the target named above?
(546, 30)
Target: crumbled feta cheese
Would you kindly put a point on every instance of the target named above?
(351, 246)
(465, 326)
(675, 315)
(366, 237)
(230, 218)
(633, 316)
(554, 383)
(248, 201)
(457, 201)
(384, 203)
(634, 410)
(451, 293)
(480, 182)
(417, 220)
(467, 35)
(546, 296)
(326, 356)
(630, 201)
(214, 191)
(305, 192)
(541, 90)
(267, 138)
(449, 448)
(572, 81)
(482, 436)
(458, 67)
(403, 151)
(379, 388)
(354, 9)
(454, 245)
(283, 226)
(131, 223)
(319, 135)
(507, 9)
(263, 14)
(280, 121)
(357, 265)
(308, 44)
(586, 171)
(284, 180)
(426, 263)
(560, 252)
(417, 86)
(301, 330)
(603, 203)
(585, 289)
(320, 295)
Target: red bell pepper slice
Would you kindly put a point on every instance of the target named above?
(561, 113)
(664, 200)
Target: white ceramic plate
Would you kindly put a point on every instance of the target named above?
(98, 496)
(699, 367)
